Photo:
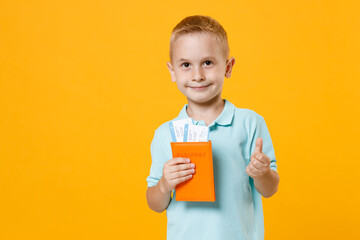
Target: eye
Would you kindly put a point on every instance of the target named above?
(186, 64)
(208, 62)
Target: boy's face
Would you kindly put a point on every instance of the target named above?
(199, 67)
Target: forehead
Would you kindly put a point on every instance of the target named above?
(196, 45)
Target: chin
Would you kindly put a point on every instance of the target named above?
(201, 100)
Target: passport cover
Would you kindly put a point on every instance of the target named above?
(201, 186)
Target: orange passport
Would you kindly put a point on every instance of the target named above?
(201, 186)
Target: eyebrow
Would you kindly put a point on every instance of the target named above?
(186, 60)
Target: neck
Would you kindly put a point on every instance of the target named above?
(207, 112)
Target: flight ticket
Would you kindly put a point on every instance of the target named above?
(184, 130)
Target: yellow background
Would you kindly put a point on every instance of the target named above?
(84, 85)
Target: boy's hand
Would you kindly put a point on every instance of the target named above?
(259, 162)
(175, 171)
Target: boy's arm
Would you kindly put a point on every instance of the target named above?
(267, 185)
(175, 171)
(266, 180)
(157, 197)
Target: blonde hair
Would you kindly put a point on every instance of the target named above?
(199, 24)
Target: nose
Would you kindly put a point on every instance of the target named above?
(198, 74)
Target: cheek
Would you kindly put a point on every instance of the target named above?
(182, 75)
(218, 79)
(179, 84)
(179, 78)
(217, 74)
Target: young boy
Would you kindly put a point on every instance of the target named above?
(243, 156)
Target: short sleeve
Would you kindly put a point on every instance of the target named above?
(158, 157)
(263, 132)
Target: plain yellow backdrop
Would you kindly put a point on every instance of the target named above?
(84, 85)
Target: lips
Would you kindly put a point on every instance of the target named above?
(200, 87)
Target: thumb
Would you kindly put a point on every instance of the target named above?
(258, 145)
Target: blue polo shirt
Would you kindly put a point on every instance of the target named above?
(237, 212)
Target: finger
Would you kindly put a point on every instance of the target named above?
(180, 167)
(254, 170)
(181, 174)
(262, 157)
(258, 145)
(175, 161)
(182, 179)
(249, 172)
(259, 157)
(257, 164)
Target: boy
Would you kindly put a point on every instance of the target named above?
(243, 156)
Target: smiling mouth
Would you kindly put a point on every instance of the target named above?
(199, 87)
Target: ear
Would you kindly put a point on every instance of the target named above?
(229, 65)
(172, 72)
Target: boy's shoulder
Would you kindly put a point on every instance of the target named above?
(163, 131)
(164, 126)
(247, 119)
(247, 114)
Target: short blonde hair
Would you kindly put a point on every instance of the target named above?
(198, 24)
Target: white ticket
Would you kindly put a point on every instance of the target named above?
(196, 133)
(177, 129)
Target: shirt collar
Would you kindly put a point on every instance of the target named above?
(225, 118)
